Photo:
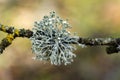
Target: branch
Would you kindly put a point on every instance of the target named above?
(16, 32)
(12, 34)
(112, 43)
(52, 41)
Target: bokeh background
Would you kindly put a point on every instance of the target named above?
(89, 18)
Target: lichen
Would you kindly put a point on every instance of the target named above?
(52, 41)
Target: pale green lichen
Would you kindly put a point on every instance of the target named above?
(51, 40)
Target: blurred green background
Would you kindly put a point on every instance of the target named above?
(89, 18)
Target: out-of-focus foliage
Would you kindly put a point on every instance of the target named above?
(89, 18)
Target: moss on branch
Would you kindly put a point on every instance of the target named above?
(111, 43)
(52, 41)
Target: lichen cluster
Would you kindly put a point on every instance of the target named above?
(51, 40)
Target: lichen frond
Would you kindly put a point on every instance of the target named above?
(51, 40)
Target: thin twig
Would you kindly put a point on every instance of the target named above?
(113, 44)
(12, 34)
